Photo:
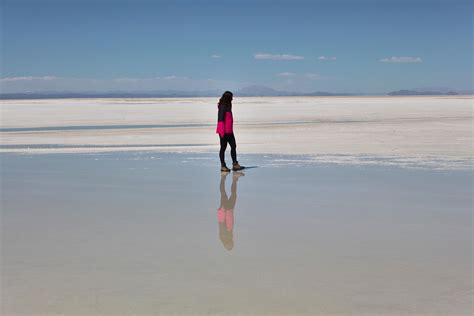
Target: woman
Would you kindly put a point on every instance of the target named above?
(225, 212)
(226, 133)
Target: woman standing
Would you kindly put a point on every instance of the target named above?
(225, 130)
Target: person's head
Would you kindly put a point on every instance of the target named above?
(226, 98)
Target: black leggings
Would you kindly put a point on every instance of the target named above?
(228, 138)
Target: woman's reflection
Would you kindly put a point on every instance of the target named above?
(225, 213)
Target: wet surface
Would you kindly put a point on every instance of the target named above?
(98, 127)
(146, 233)
(55, 146)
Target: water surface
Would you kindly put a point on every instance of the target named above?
(145, 233)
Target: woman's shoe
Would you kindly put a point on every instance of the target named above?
(225, 169)
(236, 166)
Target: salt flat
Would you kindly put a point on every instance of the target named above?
(357, 206)
(411, 131)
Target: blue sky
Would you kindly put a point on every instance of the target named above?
(340, 46)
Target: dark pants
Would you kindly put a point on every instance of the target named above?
(228, 138)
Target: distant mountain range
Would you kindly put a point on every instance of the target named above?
(414, 92)
(249, 91)
(257, 91)
(110, 94)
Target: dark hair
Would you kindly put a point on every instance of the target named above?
(226, 99)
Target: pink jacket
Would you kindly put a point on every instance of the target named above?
(225, 122)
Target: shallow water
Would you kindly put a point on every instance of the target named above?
(140, 233)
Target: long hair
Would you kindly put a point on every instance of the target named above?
(226, 99)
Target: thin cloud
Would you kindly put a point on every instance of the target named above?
(216, 56)
(173, 77)
(286, 74)
(263, 56)
(27, 78)
(312, 76)
(401, 60)
(325, 58)
(299, 77)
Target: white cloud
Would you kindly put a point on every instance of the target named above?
(401, 60)
(324, 58)
(171, 82)
(286, 74)
(277, 56)
(173, 77)
(27, 78)
(215, 56)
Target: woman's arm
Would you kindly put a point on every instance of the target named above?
(221, 121)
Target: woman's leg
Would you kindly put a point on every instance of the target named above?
(224, 198)
(222, 151)
(233, 146)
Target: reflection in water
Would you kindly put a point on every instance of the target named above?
(387, 243)
(225, 212)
